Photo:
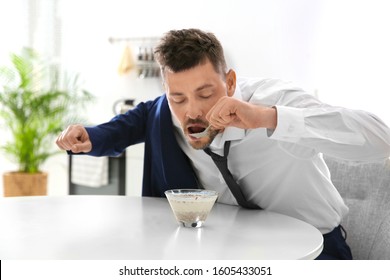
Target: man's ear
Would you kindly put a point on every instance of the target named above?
(231, 82)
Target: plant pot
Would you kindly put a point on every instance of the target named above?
(25, 184)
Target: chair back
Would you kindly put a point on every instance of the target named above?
(365, 188)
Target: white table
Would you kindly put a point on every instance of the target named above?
(120, 227)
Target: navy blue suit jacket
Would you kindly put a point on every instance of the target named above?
(165, 164)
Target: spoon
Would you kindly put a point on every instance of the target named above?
(204, 133)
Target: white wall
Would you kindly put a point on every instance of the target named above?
(353, 57)
(338, 48)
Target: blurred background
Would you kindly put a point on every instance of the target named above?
(337, 50)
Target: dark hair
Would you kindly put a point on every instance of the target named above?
(181, 50)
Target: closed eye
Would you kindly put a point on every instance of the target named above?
(177, 99)
(206, 93)
(205, 96)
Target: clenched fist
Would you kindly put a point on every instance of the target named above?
(74, 138)
(230, 111)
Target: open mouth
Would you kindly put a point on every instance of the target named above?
(195, 129)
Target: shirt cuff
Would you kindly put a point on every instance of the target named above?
(290, 126)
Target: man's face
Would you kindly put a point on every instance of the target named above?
(191, 94)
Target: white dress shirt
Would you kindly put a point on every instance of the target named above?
(283, 170)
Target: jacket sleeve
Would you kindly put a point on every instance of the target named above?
(113, 137)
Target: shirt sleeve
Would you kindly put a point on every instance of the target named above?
(339, 132)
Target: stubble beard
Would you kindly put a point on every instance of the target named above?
(201, 145)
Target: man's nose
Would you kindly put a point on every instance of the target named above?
(194, 110)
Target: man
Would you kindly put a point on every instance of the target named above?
(277, 136)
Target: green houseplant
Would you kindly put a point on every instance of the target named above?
(36, 103)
